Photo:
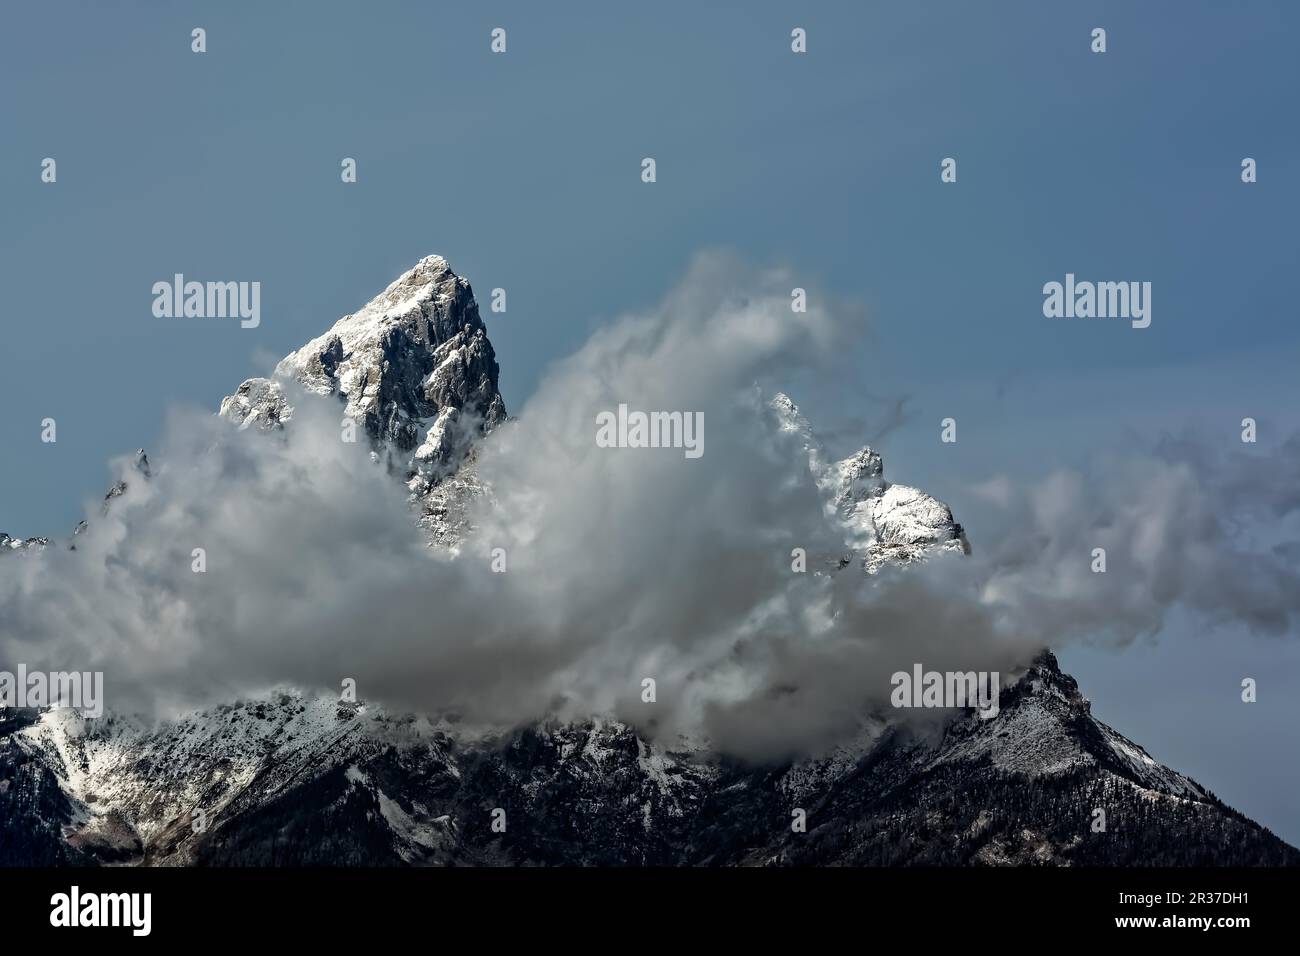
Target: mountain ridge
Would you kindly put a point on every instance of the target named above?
(273, 776)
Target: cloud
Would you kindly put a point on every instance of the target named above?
(622, 564)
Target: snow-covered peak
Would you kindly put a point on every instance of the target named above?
(882, 521)
(413, 367)
(417, 351)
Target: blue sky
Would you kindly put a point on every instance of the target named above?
(523, 170)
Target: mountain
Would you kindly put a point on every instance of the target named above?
(414, 368)
(297, 779)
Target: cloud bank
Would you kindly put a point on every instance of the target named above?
(624, 564)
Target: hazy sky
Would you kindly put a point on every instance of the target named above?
(523, 169)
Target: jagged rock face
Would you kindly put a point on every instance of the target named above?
(883, 522)
(139, 465)
(9, 544)
(257, 403)
(292, 780)
(415, 368)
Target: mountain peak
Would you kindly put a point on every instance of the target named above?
(1046, 662)
(414, 366)
(885, 521)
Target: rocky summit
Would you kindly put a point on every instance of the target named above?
(414, 368)
(289, 779)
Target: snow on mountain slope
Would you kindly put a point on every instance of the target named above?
(402, 790)
(1045, 726)
(153, 777)
(9, 544)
